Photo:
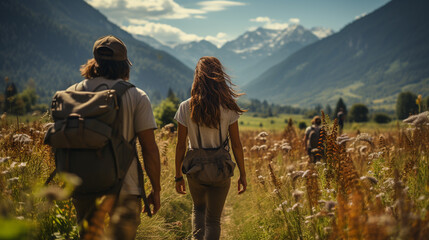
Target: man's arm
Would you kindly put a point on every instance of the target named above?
(152, 165)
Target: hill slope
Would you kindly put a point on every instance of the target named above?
(371, 60)
(49, 40)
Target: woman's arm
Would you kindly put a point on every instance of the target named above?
(237, 149)
(182, 133)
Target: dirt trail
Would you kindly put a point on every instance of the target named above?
(226, 223)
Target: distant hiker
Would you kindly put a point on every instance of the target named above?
(311, 139)
(207, 118)
(341, 118)
(118, 166)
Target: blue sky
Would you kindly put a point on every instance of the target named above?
(181, 21)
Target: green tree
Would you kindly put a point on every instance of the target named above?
(9, 94)
(164, 112)
(406, 105)
(171, 96)
(328, 110)
(425, 104)
(29, 96)
(340, 105)
(359, 113)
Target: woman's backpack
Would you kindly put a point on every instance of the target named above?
(209, 165)
(87, 138)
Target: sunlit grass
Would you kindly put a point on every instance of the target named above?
(373, 184)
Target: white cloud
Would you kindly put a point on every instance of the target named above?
(164, 33)
(218, 40)
(294, 20)
(261, 19)
(123, 10)
(214, 6)
(141, 16)
(274, 24)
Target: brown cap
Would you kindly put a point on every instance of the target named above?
(110, 48)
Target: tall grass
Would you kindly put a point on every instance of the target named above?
(366, 186)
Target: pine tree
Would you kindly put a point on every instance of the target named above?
(340, 105)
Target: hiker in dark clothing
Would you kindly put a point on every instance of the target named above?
(341, 117)
(109, 66)
(311, 139)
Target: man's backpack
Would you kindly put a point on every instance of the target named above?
(313, 137)
(87, 138)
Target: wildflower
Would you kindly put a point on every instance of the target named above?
(22, 138)
(4, 159)
(254, 148)
(13, 179)
(363, 149)
(328, 205)
(296, 206)
(263, 134)
(286, 147)
(370, 179)
(296, 175)
(343, 139)
(12, 165)
(305, 173)
(53, 193)
(21, 165)
(297, 194)
(419, 119)
(261, 179)
(48, 125)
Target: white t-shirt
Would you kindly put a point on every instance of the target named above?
(209, 136)
(138, 116)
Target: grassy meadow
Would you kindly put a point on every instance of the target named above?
(372, 183)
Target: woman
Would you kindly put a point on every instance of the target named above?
(212, 104)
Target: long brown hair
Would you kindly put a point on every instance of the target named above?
(105, 68)
(211, 89)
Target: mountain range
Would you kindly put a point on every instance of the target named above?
(49, 40)
(370, 61)
(248, 55)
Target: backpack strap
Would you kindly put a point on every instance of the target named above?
(221, 144)
(79, 87)
(121, 87)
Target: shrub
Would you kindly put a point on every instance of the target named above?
(406, 105)
(382, 118)
(359, 113)
(302, 125)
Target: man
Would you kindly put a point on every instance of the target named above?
(311, 139)
(109, 66)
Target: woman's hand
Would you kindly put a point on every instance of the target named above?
(181, 186)
(243, 183)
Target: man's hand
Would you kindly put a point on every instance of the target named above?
(154, 199)
(180, 186)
